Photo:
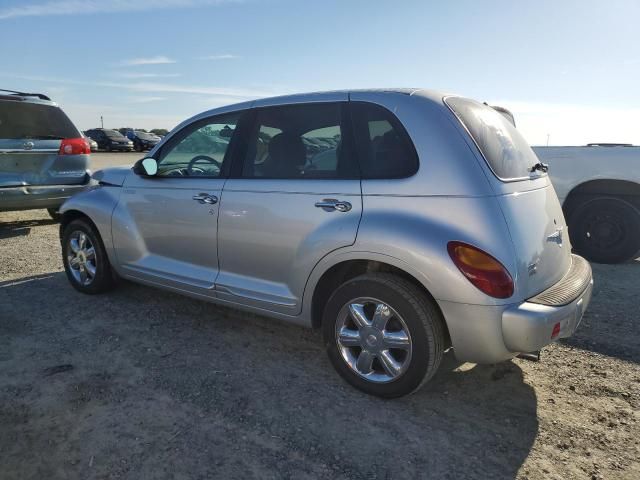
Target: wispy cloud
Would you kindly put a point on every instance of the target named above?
(145, 99)
(224, 56)
(153, 87)
(157, 60)
(85, 7)
(148, 75)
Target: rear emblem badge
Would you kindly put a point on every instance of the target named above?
(28, 145)
(556, 237)
(532, 268)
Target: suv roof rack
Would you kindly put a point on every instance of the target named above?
(24, 94)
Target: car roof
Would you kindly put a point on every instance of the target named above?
(13, 95)
(321, 96)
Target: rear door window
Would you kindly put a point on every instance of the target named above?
(19, 120)
(506, 151)
(299, 142)
(384, 147)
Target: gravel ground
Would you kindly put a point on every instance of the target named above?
(140, 383)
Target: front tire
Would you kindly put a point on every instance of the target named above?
(383, 335)
(606, 230)
(85, 259)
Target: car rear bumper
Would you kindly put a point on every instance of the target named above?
(490, 334)
(32, 197)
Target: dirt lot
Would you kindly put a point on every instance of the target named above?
(141, 383)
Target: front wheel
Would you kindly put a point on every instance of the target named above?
(383, 335)
(85, 259)
(606, 230)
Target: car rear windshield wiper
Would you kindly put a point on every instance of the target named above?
(543, 167)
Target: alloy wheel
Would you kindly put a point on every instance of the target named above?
(81, 257)
(373, 339)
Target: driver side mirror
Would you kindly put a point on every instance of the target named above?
(147, 167)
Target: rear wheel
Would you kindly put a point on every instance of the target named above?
(606, 230)
(85, 259)
(383, 335)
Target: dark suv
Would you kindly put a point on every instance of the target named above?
(44, 158)
(142, 140)
(110, 140)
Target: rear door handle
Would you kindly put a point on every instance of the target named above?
(206, 198)
(333, 204)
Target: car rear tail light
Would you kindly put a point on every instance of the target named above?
(74, 146)
(481, 269)
(556, 330)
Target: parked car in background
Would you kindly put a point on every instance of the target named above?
(92, 143)
(142, 140)
(44, 158)
(110, 140)
(388, 219)
(599, 188)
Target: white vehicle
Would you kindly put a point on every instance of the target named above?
(599, 188)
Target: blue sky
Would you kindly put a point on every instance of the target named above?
(568, 69)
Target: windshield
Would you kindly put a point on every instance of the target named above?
(114, 134)
(503, 147)
(34, 120)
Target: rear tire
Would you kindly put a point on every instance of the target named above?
(395, 359)
(85, 258)
(54, 214)
(606, 230)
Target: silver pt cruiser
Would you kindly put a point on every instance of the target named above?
(399, 222)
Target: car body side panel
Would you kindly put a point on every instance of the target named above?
(572, 166)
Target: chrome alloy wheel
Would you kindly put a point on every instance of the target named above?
(81, 257)
(373, 340)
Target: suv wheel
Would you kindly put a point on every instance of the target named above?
(606, 230)
(383, 335)
(85, 259)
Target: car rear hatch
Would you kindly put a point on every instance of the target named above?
(31, 135)
(528, 201)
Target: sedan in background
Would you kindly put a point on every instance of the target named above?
(110, 140)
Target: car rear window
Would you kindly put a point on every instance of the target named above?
(505, 150)
(33, 120)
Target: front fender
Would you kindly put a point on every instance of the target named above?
(96, 203)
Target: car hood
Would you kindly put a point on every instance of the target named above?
(112, 176)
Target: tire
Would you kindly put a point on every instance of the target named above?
(411, 315)
(102, 280)
(606, 230)
(53, 213)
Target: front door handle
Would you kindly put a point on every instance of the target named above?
(333, 204)
(206, 198)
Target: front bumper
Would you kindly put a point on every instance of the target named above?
(490, 334)
(32, 197)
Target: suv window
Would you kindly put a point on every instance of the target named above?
(506, 151)
(299, 141)
(200, 149)
(384, 147)
(34, 120)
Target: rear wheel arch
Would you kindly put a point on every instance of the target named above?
(346, 270)
(601, 188)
